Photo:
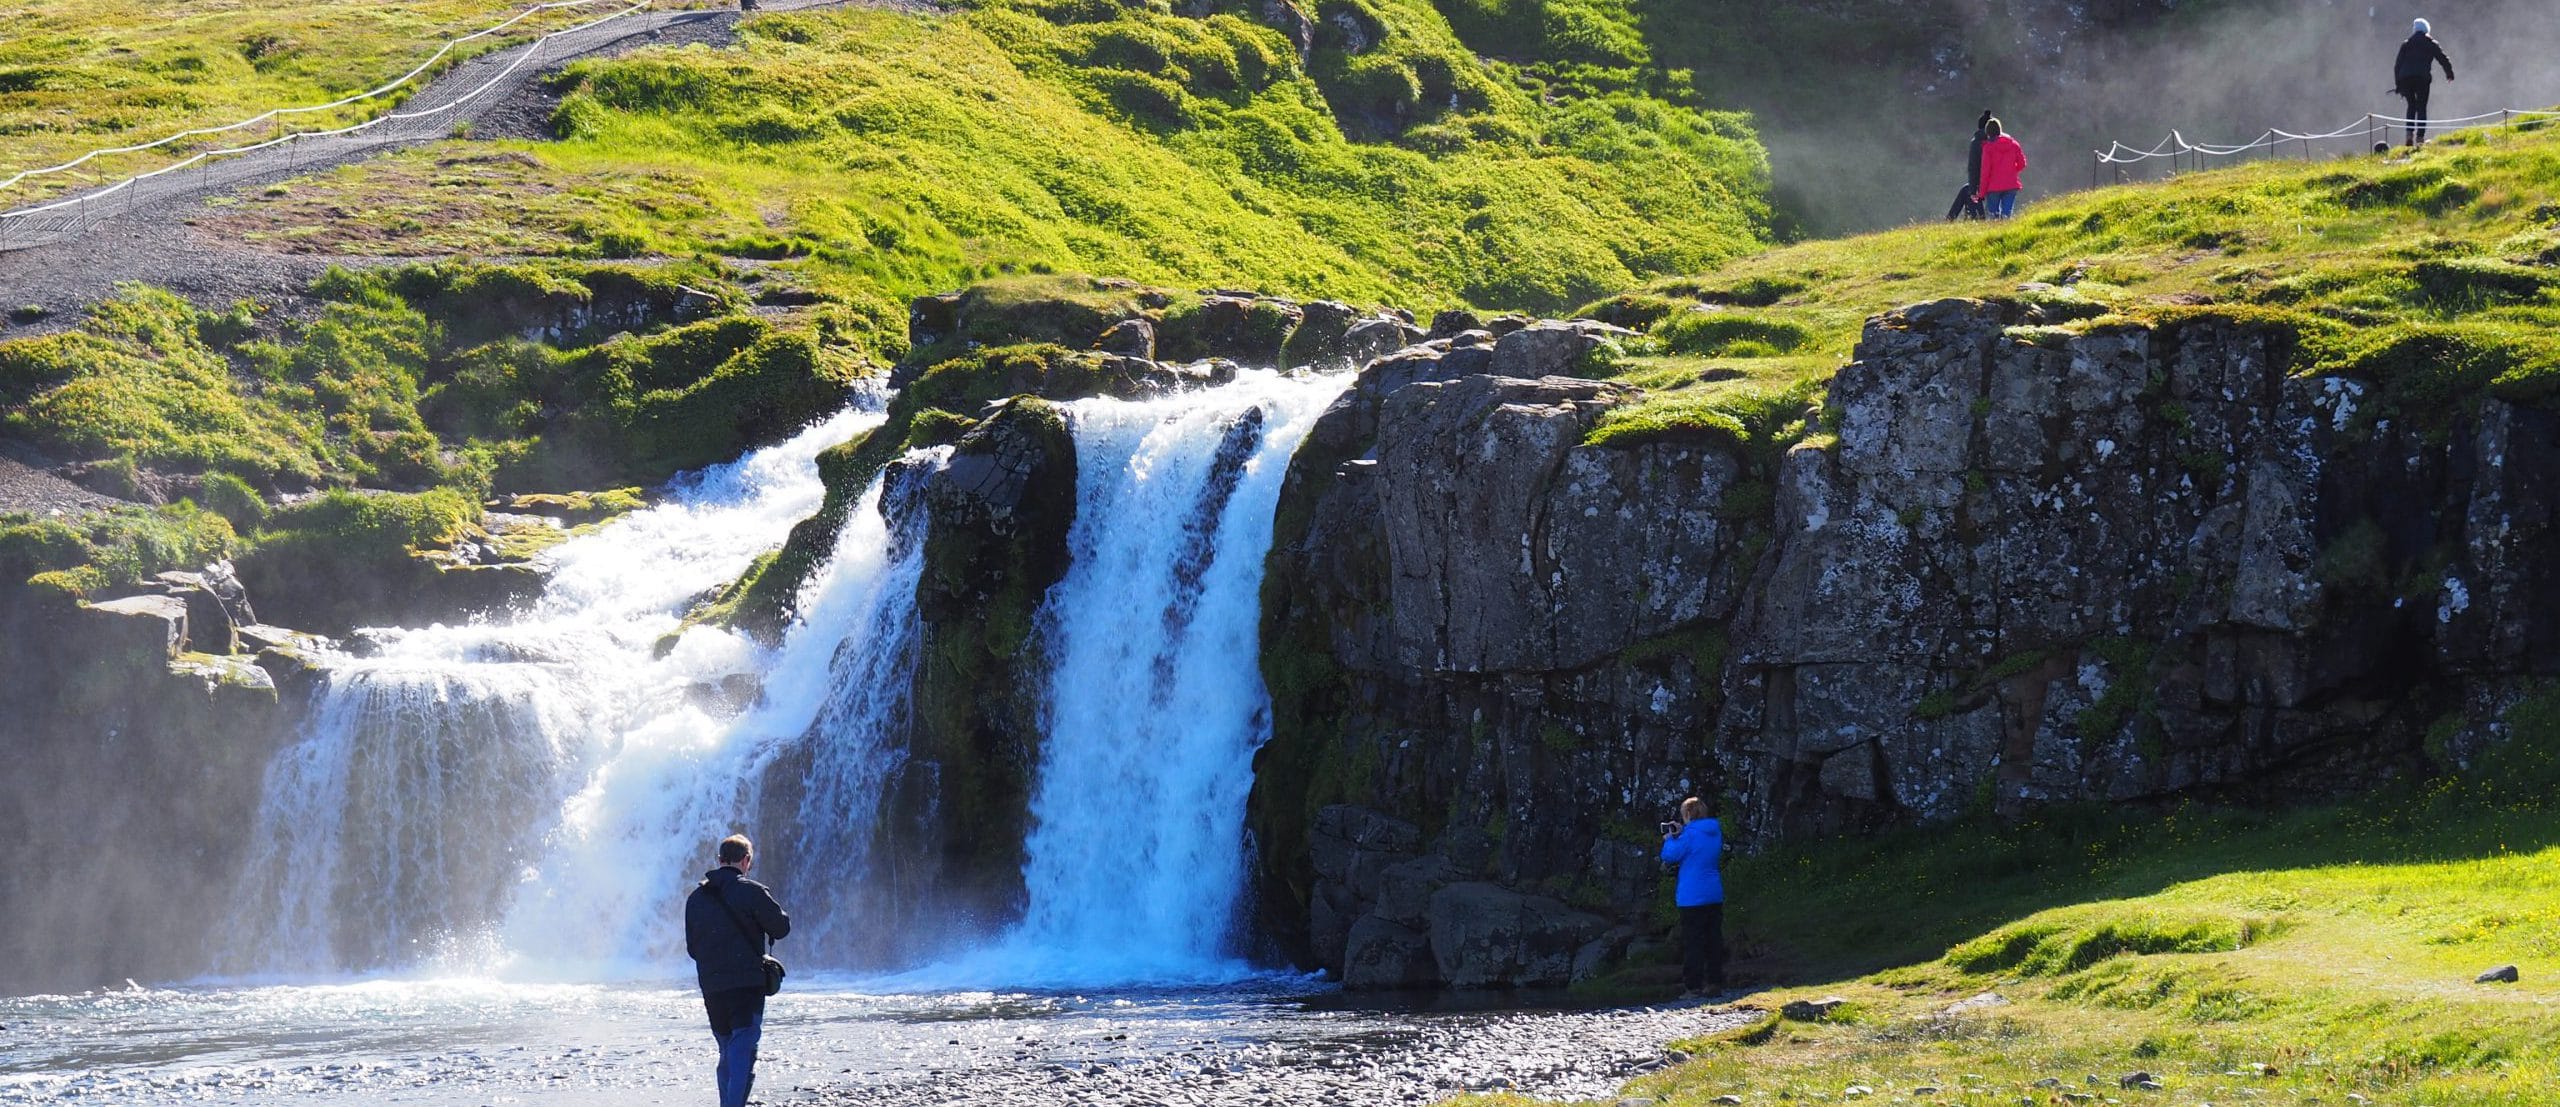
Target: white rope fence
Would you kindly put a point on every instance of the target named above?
(289, 150)
(2368, 129)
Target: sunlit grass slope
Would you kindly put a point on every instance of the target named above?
(78, 76)
(881, 155)
(2434, 275)
(2237, 958)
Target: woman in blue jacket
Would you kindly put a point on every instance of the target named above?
(1696, 844)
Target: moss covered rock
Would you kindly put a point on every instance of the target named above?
(995, 540)
(342, 560)
(941, 405)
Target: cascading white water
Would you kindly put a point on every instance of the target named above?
(533, 797)
(599, 903)
(431, 776)
(1156, 705)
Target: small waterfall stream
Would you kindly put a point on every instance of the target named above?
(1136, 859)
(532, 797)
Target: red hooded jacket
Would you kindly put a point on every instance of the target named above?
(2002, 160)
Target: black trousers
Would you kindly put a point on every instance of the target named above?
(1968, 205)
(731, 1008)
(2416, 95)
(1702, 947)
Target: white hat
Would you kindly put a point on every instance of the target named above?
(2420, 27)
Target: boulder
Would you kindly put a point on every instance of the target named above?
(1811, 1010)
(1454, 322)
(137, 626)
(1382, 956)
(1376, 337)
(1352, 30)
(1292, 22)
(225, 676)
(1318, 341)
(1250, 329)
(1548, 349)
(1135, 338)
(2503, 974)
(1486, 936)
(1404, 889)
(209, 625)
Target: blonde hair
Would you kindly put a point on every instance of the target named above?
(1694, 808)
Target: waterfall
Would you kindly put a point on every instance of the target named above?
(1135, 863)
(436, 780)
(533, 797)
(631, 841)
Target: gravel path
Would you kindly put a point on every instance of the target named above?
(36, 492)
(146, 235)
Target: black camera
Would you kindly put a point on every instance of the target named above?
(1669, 829)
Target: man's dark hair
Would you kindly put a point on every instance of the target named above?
(735, 848)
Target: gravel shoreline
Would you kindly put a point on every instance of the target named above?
(1364, 1060)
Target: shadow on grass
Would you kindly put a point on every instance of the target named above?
(1839, 909)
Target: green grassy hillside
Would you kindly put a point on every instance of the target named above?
(2436, 275)
(877, 156)
(2325, 956)
(768, 208)
(81, 76)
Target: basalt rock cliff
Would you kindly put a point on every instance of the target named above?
(2021, 565)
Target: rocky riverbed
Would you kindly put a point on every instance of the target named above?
(475, 1042)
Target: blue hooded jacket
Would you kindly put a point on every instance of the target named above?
(1697, 849)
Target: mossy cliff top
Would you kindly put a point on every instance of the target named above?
(449, 380)
(2435, 275)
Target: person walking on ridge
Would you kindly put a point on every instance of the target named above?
(1696, 845)
(1968, 203)
(2413, 75)
(2003, 160)
(728, 919)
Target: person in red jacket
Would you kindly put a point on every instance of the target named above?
(2002, 161)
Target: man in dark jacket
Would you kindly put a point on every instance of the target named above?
(1968, 203)
(727, 921)
(2413, 74)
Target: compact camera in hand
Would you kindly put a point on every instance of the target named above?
(1669, 829)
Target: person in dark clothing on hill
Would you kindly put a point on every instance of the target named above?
(728, 919)
(2413, 75)
(1968, 203)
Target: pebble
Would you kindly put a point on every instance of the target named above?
(1355, 1061)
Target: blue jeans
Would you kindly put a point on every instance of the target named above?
(2000, 205)
(737, 1023)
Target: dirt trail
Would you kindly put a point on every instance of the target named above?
(146, 234)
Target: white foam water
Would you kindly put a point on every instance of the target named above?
(439, 780)
(531, 798)
(1135, 862)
